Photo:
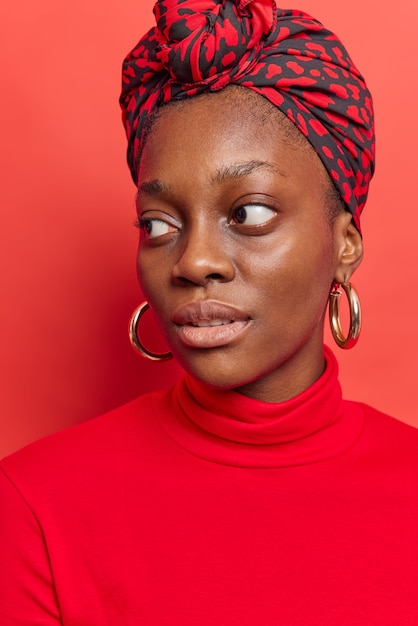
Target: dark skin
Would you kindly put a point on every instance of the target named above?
(234, 210)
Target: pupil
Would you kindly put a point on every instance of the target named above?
(148, 226)
(241, 215)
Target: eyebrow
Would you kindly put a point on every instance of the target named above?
(156, 188)
(240, 170)
(153, 188)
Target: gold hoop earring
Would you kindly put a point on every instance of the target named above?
(133, 336)
(355, 316)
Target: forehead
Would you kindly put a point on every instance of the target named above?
(211, 131)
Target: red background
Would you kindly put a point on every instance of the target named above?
(67, 241)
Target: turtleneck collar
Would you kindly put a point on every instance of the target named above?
(232, 429)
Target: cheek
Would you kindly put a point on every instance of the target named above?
(298, 275)
(147, 276)
(153, 273)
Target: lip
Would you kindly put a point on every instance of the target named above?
(209, 324)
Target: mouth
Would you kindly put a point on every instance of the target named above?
(209, 324)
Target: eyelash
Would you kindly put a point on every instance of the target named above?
(258, 205)
(141, 222)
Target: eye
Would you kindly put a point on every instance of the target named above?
(253, 214)
(153, 227)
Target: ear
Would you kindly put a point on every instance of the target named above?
(349, 247)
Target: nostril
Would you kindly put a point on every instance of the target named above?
(215, 276)
(199, 263)
(183, 280)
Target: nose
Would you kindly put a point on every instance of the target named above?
(203, 258)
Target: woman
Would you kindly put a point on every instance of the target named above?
(250, 493)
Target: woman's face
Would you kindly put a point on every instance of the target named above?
(237, 254)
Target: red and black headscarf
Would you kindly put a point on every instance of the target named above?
(285, 55)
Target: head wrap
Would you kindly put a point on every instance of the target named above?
(285, 55)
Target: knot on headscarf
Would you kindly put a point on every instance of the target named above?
(285, 55)
(199, 39)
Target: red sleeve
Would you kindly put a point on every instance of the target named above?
(27, 595)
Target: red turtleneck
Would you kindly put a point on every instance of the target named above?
(196, 507)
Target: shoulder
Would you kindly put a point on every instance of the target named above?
(87, 451)
(386, 443)
(387, 426)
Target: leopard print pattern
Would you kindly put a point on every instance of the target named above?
(285, 55)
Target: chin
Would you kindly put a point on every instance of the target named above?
(218, 371)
